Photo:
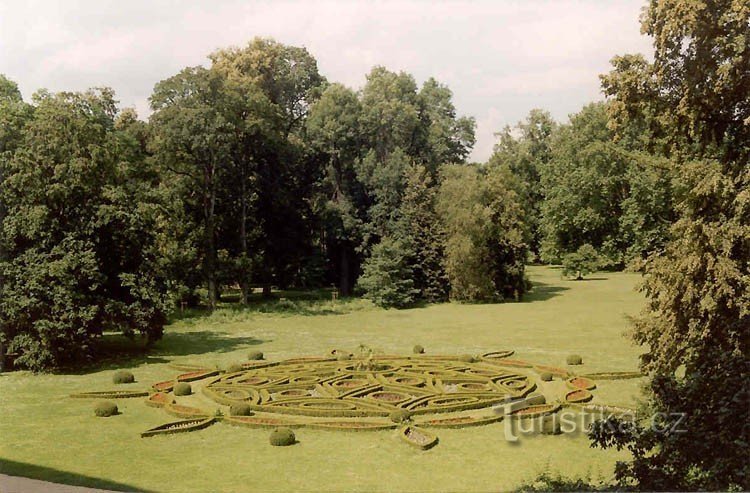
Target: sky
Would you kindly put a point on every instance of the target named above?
(500, 58)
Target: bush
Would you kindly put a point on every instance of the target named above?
(182, 388)
(234, 368)
(418, 349)
(387, 277)
(255, 355)
(343, 356)
(574, 359)
(123, 376)
(546, 376)
(400, 416)
(536, 399)
(581, 262)
(467, 358)
(240, 409)
(104, 409)
(281, 437)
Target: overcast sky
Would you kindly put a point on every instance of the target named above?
(500, 58)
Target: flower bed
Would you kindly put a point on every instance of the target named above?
(578, 396)
(581, 383)
(179, 427)
(417, 437)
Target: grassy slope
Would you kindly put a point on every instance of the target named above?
(44, 434)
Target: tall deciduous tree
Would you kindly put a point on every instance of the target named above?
(694, 100)
(80, 232)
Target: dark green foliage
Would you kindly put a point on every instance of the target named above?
(240, 409)
(79, 236)
(255, 355)
(282, 437)
(400, 416)
(574, 359)
(105, 409)
(553, 482)
(123, 376)
(693, 100)
(387, 278)
(546, 376)
(182, 389)
(583, 261)
(536, 399)
(418, 349)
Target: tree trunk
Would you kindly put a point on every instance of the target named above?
(244, 281)
(345, 286)
(210, 262)
(267, 290)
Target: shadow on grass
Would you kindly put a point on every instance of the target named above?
(13, 468)
(541, 292)
(200, 342)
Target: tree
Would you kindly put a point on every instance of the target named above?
(420, 229)
(583, 261)
(80, 233)
(524, 151)
(387, 277)
(192, 142)
(333, 131)
(483, 220)
(693, 99)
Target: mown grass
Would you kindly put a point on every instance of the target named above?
(45, 434)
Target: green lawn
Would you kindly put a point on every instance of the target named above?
(46, 435)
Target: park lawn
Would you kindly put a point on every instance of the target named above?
(47, 435)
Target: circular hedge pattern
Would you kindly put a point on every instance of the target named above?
(379, 387)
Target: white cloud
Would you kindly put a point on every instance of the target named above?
(500, 58)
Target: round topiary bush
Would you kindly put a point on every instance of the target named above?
(546, 376)
(234, 368)
(467, 358)
(536, 399)
(182, 388)
(240, 409)
(255, 355)
(574, 359)
(343, 357)
(104, 409)
(123, 376)
(418, 349)
(400, 416)
(281, 437)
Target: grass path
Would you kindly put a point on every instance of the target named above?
(46, 435)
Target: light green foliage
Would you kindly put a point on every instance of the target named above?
(524, 151)
(123, 376)
(582, 262)
(693, 99)
(282, 437)
(485, 248)
(105, 409)
(387, 278)
(182, 389)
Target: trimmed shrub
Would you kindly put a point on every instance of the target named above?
(240, 409)
(344, 357)
(123, 376)
(104, 409)
(234, 368)
(574, 359)
(281, 437)
(182, 388)
(467, 358)
(546, 376)
(418, 349)
(400, 416)
(255, 355)
(536, 399)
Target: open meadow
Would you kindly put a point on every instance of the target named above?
(47, 435)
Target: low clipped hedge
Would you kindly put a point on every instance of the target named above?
(546, 376)
(105, 409)
(574, 359)
(418, 349)
(400, 416)
(255, 355)
(123, 376)
(240, 409)
(282, 437)
(536, 399)
(182, 388)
